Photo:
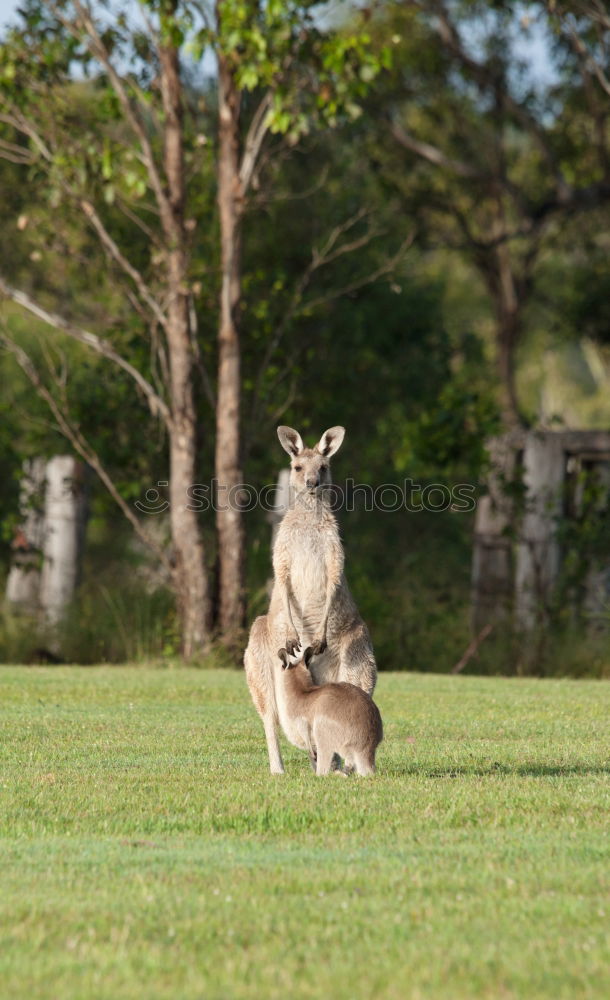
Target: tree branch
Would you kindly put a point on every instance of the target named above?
(296, 305)
(588, 62)
(14, 153)
(432, 154)
(386, 268)
(484, 76)
(254, 140)
(318, 259)
(116, 254)
(26, 128)
(81, 445)
(99, 51)
(157, 405)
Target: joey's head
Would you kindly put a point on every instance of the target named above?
(310, 467)
(301, 660)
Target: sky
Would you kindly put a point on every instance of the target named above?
(532, 46)
(7, 8)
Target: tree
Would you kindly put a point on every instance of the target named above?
(267, 56)
(36, 62)
(297, 78)
(506, 158)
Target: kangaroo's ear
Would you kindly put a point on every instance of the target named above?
(283, 655)
(331, 441)
(307, 655)
(290, 440)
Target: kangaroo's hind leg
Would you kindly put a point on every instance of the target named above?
(324, 749)
(325, 740)
(276, 764)
(365, 763)
(312, 753)
(324, 761)
(259, 675)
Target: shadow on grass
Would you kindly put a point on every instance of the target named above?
(522, 770)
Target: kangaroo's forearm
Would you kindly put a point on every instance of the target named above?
(332, 585)
(324, 625)
(287, 610)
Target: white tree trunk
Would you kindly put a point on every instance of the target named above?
(63, 535)
(23, 583)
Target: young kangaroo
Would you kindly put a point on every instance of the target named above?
(334, 718)
(311, 604)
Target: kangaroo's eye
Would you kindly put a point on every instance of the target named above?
(297, 468)
(323, 468)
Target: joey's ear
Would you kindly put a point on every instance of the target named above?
(290, 440)
(331, 441)
(307, 655)
(283, 655)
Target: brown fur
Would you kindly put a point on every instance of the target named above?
(311, 604)
(339, 718)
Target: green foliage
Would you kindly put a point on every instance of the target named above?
(584, 539)
(315, 75)
(586, 298)
(451, 435)
(121, 612)
(403, 362)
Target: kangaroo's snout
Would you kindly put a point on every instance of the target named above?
(312, 482)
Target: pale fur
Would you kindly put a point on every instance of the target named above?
(332, 718)
(311, 604)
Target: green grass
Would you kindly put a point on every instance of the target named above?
(147, 853)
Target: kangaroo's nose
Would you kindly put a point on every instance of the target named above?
(311, 482)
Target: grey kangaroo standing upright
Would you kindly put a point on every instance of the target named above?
(311, 604)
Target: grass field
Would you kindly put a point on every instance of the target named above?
(147, 853)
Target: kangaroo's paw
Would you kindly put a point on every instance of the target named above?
(293, 646)
(318, 646)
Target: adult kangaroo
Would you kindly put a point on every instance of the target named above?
(311, 604)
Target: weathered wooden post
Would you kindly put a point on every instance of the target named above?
(537, 554)
(517, 557)
(492, 560)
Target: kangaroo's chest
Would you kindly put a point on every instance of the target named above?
(308, 567)
(309, 542)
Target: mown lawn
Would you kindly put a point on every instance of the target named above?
(147, 853)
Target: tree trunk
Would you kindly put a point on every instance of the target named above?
(228, 471)
(23, 583)
(507, 292)
(64, 532)
(508, 328)
(190, 577)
